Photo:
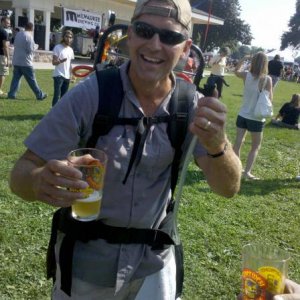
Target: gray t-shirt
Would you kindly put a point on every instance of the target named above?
(140, 203)
(23, 49)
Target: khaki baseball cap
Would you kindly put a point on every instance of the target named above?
(182, 12)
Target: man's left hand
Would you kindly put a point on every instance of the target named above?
(209, 124)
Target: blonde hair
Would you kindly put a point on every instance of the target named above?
(259, 65)
(295, 101)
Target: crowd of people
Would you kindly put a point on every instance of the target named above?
(257, 74)
(121, 269)
(23, 57)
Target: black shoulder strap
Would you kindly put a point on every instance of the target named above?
(111, 94)
(181, 100)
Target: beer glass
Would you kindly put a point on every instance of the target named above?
(264, 271)
(92, 164)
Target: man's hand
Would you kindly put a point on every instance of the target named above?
(209, 124)
(55, 182)
(221, 167)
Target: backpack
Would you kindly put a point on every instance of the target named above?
(111, 97)
(107, 116)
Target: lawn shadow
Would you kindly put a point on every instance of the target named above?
(270, 125)
(267, 186)
(248, 187)
(22, 117)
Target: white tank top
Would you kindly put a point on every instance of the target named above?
(250, 97)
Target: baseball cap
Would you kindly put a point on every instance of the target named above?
(181, 12)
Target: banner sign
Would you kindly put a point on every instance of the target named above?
(80, 19)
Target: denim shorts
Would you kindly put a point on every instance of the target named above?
(250, 125)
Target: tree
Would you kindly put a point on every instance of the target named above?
(242, 50)
(292, 37)
(233, 31)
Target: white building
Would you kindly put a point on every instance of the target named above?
(43, 13)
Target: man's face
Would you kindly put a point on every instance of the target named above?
(153, 59)
(6, 23)
(68, 38)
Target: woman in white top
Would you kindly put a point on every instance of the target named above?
(254, 79)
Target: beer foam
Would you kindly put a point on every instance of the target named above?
(95, 196)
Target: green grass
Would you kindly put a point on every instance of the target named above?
(213, 229)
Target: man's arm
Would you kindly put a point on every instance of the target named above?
(50, 182)
(5, 45)
(223, 173)
(221, 166)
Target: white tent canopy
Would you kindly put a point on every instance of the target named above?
(287, 55)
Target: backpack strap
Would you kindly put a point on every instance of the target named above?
(181, 100)
(111, 89)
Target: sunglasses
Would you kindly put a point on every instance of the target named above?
(147, 31)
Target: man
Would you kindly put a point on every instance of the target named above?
(22, 61)
(218, 65)
(275, 67)
(62, 56)
(4, 52)
(157, 39)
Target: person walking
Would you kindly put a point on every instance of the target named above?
(62, 56)
(22, 61)
(4, 52)
(275, 67)
(218, 66)
(254, 80)
(138, 198)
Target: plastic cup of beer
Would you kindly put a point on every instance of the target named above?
(264, 271)
(92, 164)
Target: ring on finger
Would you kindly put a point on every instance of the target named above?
(207, 125)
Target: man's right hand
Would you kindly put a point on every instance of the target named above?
(56, 183)
(53, 182)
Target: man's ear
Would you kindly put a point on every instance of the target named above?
(186, 48)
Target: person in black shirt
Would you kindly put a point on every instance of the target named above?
(289, 113)
(275, 67)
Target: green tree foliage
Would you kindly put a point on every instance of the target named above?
(241, 50)
(292, 37)
(233, 31)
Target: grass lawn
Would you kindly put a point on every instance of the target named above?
(213, 229)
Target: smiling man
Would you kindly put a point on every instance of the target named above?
(128, 253)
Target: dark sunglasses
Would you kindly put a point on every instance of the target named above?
(147, 31)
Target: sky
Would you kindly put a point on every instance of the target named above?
(268, 20)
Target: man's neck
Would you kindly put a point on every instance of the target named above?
(150, 94)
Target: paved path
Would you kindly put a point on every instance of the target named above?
(76, 62)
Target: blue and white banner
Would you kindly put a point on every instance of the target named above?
(80, 19)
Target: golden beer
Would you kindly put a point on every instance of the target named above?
(87, 209)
